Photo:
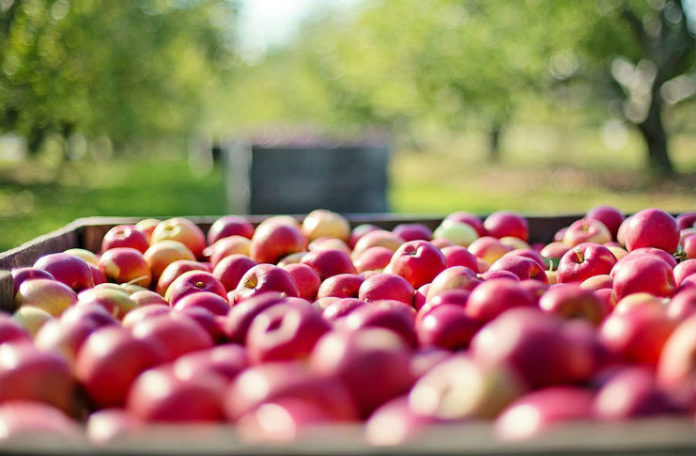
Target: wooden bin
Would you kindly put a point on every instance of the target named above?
(659, 436)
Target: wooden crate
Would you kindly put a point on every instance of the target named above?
(660, 436)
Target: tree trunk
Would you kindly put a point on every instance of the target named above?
(653, 131)
(494, 143)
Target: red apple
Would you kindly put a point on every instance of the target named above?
(341, 286)
(495, 296)
(597, 282)
(373, 364)
(321, 222)
(682, 305)
(274, 240)
(125, 236)
(499, 274)
(654, 251)
(174, 270)
(459, 256)
(327, 263)
(64, 337)
(263, 278)
(467, 217)
(418, 262)
(586, 230)
(609, 216)
(143, 313)
(388, 314)
(19, 275)
(446, 326)
(569, 301)
(157, 395)
(182, 230)
(50, 295)
(328, 243)
(194, 282)
(386, 286)
(676, 367)
(212, 302)
(23, 420)
(395, 423)
(373, 259)
(285, 332)
(539, 411)
(413, 232)
(11, 331)
(686, 220)
(488, 249)
(30, 374)
(584, 261)
(92, 313)
(523, 267)
(125, 265)
(359, 231)
(504, 223)
(211, 323)
(232, 245)
(381, 238)
(231, 269)
(163, 253)
(227, 360)
(229, 225)
(689, 246)
(306, 279)
(341, 308)
(242, 314)
(643, 273)
(174, 334)
(68, 269)
(453, 278)
(652, 228)
(147, 298)
(114, 299)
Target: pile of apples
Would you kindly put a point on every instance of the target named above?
(279, 328)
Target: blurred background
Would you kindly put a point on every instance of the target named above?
(139, 107)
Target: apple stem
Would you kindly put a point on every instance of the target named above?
(579, 255)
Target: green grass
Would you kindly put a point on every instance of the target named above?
(567, 174)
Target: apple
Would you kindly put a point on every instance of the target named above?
(553, 252)
(340, 286)
(500, 274)
(654, 251)
(232, 245)
(446, 326)
(413, 232)
(125, 236)
(388, 314)
(597, 282)
(227, 361)
(174, 270)
(461, 387)
(373, 259)
(47, 294)
(109, 425)
(586, 230)
(386, 286)
(64, 337)
(263, 278)
(30, 374)
(147, 298)
(125, 265)
(92, 313)
(451, 297)
(686, 220)
(460, 256)
(11, 331)
(495, 296)
(163, 253)
(632, 392)
(88, 256)
(458, 233)
(643, 273)
(229, 225)
(143, 313)
(157, 395)
(418, 262)
(420, 295)
(182, 230)
(174, 334)
(530, 253)
(638, 299)
(321, 222)
(540, 411)
(285, 332)
(274, 240)
(689, 246)
(569, 301)
(676, 367)
(329, 243)
(638, 334)
(147, 226)
(231, 269)
(652, 228)
(610, 216)
(682, 305)
(19, 275)
(31, 319)
(523, 267)
(373, 365)
(453, 278)
(505, 223)
(242, 314)
(23, 420)
(341, 308)
(278, 381)
(375, 238)
(212, 302)
(514, 243)
(306, 279)
(327, 263)
(115, 300)
(395, 423)
(194, 282)
(68, 269)
(607, 296)
(488, 249)
(359, 231)
(584, 261)
(469, 218)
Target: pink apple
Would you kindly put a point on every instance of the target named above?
(459, 256)
(469, 218)
(488, 249)
(174, 334)
(554, 251)
(357, 358)
(654, 251)
(274, 240)
(689, 246)
(341, 286)
(676, 367)
(227, 360)
(182, 230)
(597, 282)
(64, 337)
(609, 216)
(306, 279)
(242, 314)
(263, 278)
(523, 267)
(682, 305)
(285, 332)
(453, 278)
(686, 220)
(212, 302)
(569, 301)
(231, 269)
(446, 326)
(143, 313)
(652, 228)
(499, 274)
(586, 230)
(147, 298)
(643, 273)
(328, 243)
(495, 296)
(229, 225)
(386, 286)
(125, 236)
(174, 270)
(388, 314)
(30, 374)
(413, 232)
(504, 223)
(329, 263)
(19, 275)
(373, 259)
(359, 231)
(227, 246)
(341, 308)
(418, 262)
(381, 238)
(11, 331)
(22, 421)
(194, 282)
(584, 261)
(68, 269)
